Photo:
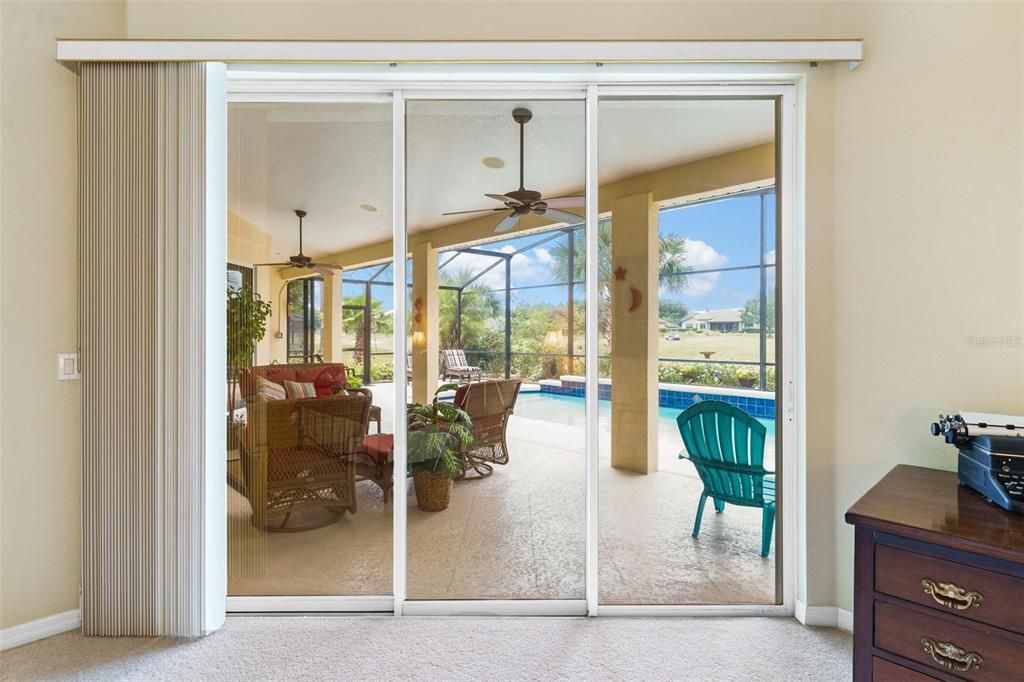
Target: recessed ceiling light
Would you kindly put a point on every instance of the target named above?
(493, 162)
(368, 207)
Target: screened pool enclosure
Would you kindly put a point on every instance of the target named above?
(516, 305)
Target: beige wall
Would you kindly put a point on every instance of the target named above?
(248, 244)
(40, 420)
(914, 182)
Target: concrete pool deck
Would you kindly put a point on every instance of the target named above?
(519, 534)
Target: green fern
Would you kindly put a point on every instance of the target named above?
(438, 431)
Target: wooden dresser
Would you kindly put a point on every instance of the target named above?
(939, 582)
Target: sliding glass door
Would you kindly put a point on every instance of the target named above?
(562, 399)
(309, 460)
(494, 226)
(305, 320)
(688, 459)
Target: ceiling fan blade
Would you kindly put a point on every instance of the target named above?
(505, 197)
(564, 202)
(325, 269)
(555, 215)
(476, 210)
(272, 265)
(507, 223)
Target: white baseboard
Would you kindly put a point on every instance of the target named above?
(824, 616)
(40, 629)
(845, 620)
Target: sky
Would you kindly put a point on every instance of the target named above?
(724, 233)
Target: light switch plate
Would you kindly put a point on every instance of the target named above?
(67, 367)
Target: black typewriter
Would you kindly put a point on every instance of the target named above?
(991, 455)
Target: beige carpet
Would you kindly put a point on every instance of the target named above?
(375, 648)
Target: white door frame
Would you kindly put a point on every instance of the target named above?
(784, 90)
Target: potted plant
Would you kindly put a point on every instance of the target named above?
(747, 376)
(247, 315)
(437, 432)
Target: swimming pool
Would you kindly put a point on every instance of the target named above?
(569, 410)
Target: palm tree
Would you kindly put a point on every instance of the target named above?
(381, 322)
(672, 266)
(479, 306)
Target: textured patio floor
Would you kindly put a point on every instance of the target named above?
(519, 534)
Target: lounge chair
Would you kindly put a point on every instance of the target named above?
(726, 446)
(457, 367)
(489, 405)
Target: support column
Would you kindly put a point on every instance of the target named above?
(425, 330)
(330, 335)
(635, 334)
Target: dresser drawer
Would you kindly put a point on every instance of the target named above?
(887, 671)
(964, 649)
(975, 593)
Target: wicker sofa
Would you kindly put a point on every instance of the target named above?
(327, 378)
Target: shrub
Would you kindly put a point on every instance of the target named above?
(711, 374)
(382, 370)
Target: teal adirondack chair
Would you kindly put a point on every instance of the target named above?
(726, 446)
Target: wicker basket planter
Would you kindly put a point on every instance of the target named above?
(433, 490)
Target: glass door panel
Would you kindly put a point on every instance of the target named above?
(309, 476)
(496, 310)
(687, 332)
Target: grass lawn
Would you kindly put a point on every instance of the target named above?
(725, 346)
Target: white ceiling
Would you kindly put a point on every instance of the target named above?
(330, 159)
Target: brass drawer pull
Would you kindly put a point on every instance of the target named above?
(950, 595)
(950, 656)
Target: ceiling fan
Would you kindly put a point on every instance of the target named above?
(524, 201)
(302, 260)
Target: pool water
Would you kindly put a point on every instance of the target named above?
(569, 410)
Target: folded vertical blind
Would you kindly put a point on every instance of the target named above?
(142, 212)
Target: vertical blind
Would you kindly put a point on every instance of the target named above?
(142, 232)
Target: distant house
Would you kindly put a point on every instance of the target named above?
(725, 320)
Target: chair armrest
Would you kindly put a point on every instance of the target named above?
(362, 389)
(729, 466)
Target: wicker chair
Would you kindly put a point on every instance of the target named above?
(489, 405)
(298, 456)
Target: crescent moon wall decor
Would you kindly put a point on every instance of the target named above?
(637, 298)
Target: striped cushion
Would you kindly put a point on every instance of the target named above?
(299, 389)
(269, 390)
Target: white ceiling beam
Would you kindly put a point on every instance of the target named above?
(654, 51)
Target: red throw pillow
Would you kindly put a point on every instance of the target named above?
(309, 376)
(324, 379)
(339, 376)
(460, 395)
